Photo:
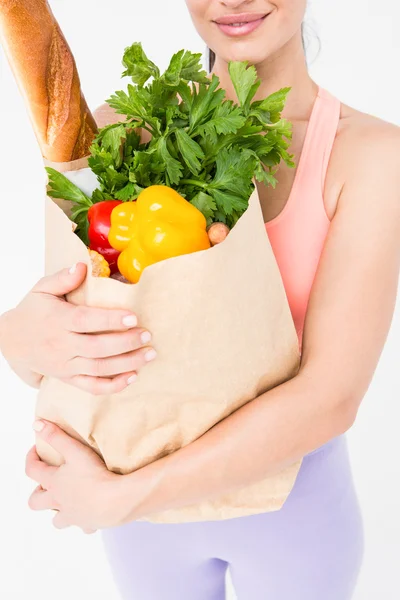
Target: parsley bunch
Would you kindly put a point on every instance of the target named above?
(204, 146)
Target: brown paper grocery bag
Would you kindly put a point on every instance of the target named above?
(224, 334)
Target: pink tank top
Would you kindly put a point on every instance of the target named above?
(298, 233)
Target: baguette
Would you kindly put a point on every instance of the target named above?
(46, 74)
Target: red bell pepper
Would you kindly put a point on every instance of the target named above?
(99, 216)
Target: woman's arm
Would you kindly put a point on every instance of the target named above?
(94, 349)
(348, 319)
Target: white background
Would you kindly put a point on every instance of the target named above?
(358, 62)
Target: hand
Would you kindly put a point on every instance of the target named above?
(98, 350)
(82, 490)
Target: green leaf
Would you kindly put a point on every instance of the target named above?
(190, 150)
(228, 202)
(184, 65)
(220, 217)
(251, 95)
(115, 178)
(192, 68)
(172, 75)
(172, 166)
(205, 146)
(261, 145)
(99, 196)
(61, 187)
(140, 170)
(249, 129)
(101, 133)
(175, 118)
(234, 172)
(263, 116)
(112, 141)
(131, 143)
(138, 66)
(185, 93)
(206, 204)
(201, 103)
(122, 104)
(135, 105)
(273, 104)
(244, 81)
(226, 119)
(100, 160)
(217, 99)
(128, 192)
(264, 176)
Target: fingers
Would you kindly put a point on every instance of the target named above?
(67, 446)
(102, 386)
(88, 531)
(103, 345)
(60, 522)
(37, 470)
(41, 500)
(84, 319)
(115, 365)
(62, 282)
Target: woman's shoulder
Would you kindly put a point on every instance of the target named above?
(364, 133)
(364, 145)
(366, 148)
(364, 164)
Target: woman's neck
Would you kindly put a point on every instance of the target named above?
(286, 68)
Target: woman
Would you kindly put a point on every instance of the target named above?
(334, 225)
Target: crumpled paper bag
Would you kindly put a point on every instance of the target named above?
(223, 332)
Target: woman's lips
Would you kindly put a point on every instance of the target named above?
(236, 30)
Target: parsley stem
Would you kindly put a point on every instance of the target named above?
(149, 130)
(195, 182)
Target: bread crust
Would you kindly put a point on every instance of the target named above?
(46, 74)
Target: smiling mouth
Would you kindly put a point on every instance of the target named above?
(240, 25)
(240, 20)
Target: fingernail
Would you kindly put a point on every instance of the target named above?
(132, 378)
(145, 337)
(38, 425)
(73, 269)
(129, 321)
(150, 355)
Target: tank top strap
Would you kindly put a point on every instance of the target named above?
(297, 235)
(327, 123)
(318, 144)
(306, 195)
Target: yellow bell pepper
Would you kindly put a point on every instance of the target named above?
(160, 224)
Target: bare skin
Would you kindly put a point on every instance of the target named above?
(348, 318)
(97, 350)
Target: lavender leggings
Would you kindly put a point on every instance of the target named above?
(309, 550)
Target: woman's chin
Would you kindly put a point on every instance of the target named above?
(253, 51)
(245, 54)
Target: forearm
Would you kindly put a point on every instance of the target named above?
(260, 439)
(29, 377)
(26, 375)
